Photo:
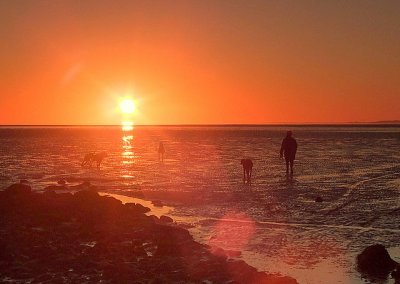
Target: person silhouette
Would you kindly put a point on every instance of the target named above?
(289, 149)
(247, 170)
(161, 151)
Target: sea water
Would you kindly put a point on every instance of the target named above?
(274, 223)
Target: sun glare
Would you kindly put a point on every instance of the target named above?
(127, 125)
(127, 106)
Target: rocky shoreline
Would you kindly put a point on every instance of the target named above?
(87, 238)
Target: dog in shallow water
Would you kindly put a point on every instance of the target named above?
(247, 169)
(92, 157)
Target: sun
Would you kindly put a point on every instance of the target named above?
(127, 106)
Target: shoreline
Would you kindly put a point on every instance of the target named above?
(157, 211)
(255, 259)
(91, 237)
(258, 260)
(200, 228)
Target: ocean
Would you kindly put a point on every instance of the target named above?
(274, 223)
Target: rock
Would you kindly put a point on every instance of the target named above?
(88, 238)
(396, 275)
(219, 252)
(154, 219)
(62, 182)
(241, 271)
(166, 219)
(175, 233)
(85, 195)
(18, 189)
(136, 208)
(157, 203)
(50, 194)
(318, 199)
(375, 261)
(54, 187)
(233, 253)
(186, 225)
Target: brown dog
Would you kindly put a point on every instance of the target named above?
(247, 169)
(91, 158)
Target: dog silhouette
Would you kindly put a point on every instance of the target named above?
(92, 157)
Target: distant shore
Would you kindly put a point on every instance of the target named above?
(384, 123)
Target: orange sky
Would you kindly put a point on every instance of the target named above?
(199, 62)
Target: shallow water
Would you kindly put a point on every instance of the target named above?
(275, 222)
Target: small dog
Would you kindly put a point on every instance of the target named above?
(247, 170)
(92, 157)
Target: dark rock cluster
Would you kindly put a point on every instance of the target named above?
(318, 199)
(374, 262)
(88, 238)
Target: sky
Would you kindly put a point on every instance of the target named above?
(199, 62)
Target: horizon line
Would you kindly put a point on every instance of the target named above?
(380, 123)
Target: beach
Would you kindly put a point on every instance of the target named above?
(237, 141)
(274, 224)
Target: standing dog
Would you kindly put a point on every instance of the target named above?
(92, 157)
(247, 170)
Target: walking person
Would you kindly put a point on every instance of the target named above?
(247, 170)
(288, 150)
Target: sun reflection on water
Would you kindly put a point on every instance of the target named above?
(127, 126)
(127, 141)
(128, 153)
